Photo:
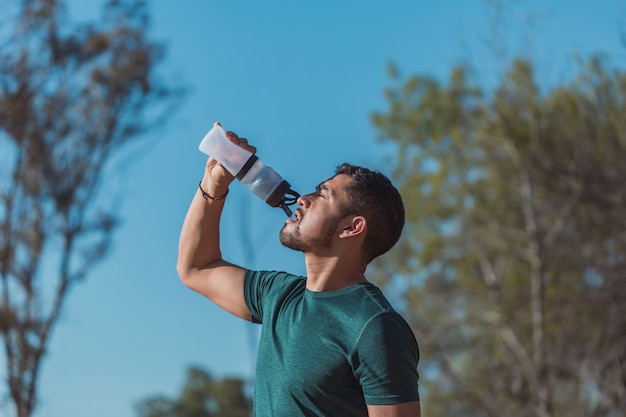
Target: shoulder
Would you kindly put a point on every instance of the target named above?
(267, 288)
(383, 331)
(390, 329)
(265, 280)
(366, 301)
(376, 296)
(387, 335)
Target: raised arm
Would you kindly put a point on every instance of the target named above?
(200, 264)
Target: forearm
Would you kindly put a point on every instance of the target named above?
(199, 243)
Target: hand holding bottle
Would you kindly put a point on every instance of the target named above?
(218, 176)
(238, 159)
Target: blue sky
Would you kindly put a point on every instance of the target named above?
(299, 79)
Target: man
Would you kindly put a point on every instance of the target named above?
(331, 344)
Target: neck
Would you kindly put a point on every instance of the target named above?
(329, 273)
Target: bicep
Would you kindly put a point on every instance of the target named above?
(409, 409)
(222, 283)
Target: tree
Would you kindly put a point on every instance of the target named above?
(202, 396)
(71, 96)
(512, 265)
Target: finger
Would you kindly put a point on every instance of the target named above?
(232, 136)
(211, 162)
(243, 142)
(249, 148)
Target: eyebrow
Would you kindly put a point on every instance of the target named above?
(322, 187)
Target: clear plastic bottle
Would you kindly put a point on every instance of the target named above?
(262, 180)
(231, 156)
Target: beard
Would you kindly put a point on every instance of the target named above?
(293, 238)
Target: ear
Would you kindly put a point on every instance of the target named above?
(353, 226)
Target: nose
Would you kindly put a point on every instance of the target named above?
(303, 201)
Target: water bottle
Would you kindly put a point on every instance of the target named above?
(262, 180)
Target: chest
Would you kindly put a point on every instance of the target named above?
(308, 346)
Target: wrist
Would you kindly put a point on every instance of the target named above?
(212, 193)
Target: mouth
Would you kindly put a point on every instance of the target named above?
(296, 217)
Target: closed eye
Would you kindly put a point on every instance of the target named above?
(321, 190)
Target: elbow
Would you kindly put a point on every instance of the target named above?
(190, 274)
(184, 272)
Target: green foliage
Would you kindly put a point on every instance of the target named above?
(512, 263)
(202, 396)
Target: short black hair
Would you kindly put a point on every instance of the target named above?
(372, 195)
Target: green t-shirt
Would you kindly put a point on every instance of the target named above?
(328, 353)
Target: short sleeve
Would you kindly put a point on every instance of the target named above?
(259, 286)
(385, 360)
(253, 295)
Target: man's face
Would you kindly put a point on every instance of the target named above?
(317, 220)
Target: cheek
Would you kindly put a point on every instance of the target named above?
(314, 222)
